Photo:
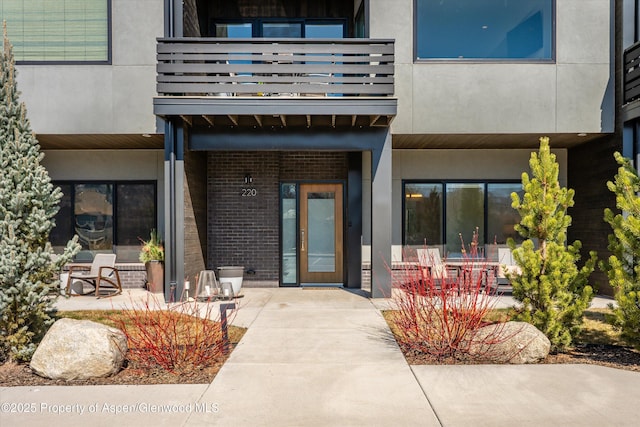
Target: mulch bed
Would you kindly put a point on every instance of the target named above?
(612, 356)
(13, 375)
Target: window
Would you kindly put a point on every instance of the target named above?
(289, 232)
(58, 31)
(108, 217)
(438, 213)
(280, 28)
(488, 29)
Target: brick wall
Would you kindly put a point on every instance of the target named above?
(132, 275)
(190, 22)
(244, 230)
(590, 167)
(195, 213)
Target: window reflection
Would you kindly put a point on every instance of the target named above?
(93, 215)
(501, 217)
(438, 213)
(423, 214)
(289, 233)
(465, 214)
(489, 29)
(107, 217)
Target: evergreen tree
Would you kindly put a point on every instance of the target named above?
(553, 291)
(28, 204)
(622, 267)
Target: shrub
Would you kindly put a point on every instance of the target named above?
(622, 267)
(152, 249)
(187, 336)
(28, 205)
(553, 291)
(439, 316)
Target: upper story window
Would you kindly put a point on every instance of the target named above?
(484, 30)
(58, 31)
(280, 28)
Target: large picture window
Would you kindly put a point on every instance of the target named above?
(108, 217)
(439, 213)
(488, 29)
(58, 31)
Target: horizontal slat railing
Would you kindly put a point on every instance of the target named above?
(632, 73)
(275, 67)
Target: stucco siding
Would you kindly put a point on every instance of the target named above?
(116, 98)
(571, 94)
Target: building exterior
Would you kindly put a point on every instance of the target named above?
(630, 111)
(309, 140)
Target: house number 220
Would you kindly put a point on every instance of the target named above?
(249, 192)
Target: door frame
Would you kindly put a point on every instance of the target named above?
(298, 184)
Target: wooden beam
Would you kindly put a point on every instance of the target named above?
(353, 120)
(209, 119)
(258, 119)
(283, 119)
(234, 119)
(333, 120)
(308, 120)
(373, 121)
(187, 120)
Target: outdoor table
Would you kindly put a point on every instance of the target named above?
(467, 267)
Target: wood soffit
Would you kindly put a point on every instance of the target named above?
(400, 141)
(489, 141)
(101, 141)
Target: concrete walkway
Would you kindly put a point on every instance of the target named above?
(326, 358)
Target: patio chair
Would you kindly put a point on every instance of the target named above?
(102, 272)
(506, 265)
(431, 263)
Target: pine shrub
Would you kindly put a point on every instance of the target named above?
(552, 290)
(622, 267)
(28, 204)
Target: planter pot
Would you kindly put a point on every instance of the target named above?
(233, 275)
(155, 276)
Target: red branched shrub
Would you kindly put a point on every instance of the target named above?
(437, 313)
(178, 339)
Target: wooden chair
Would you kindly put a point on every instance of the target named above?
(101, 272)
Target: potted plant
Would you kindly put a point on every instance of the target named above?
(152, 254)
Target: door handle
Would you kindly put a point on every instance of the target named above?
(302, 239)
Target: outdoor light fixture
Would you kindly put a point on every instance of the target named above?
(248, 179)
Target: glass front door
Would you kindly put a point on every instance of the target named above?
(315, 255)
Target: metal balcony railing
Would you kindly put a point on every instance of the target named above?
(218, 67)
(631, 82)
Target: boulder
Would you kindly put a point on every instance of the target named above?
(79, 349)
(510, 342)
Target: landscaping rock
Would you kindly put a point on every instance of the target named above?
(79, 349)
(510, 342)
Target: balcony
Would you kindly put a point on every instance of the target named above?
(631, 82)
(306, 82)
